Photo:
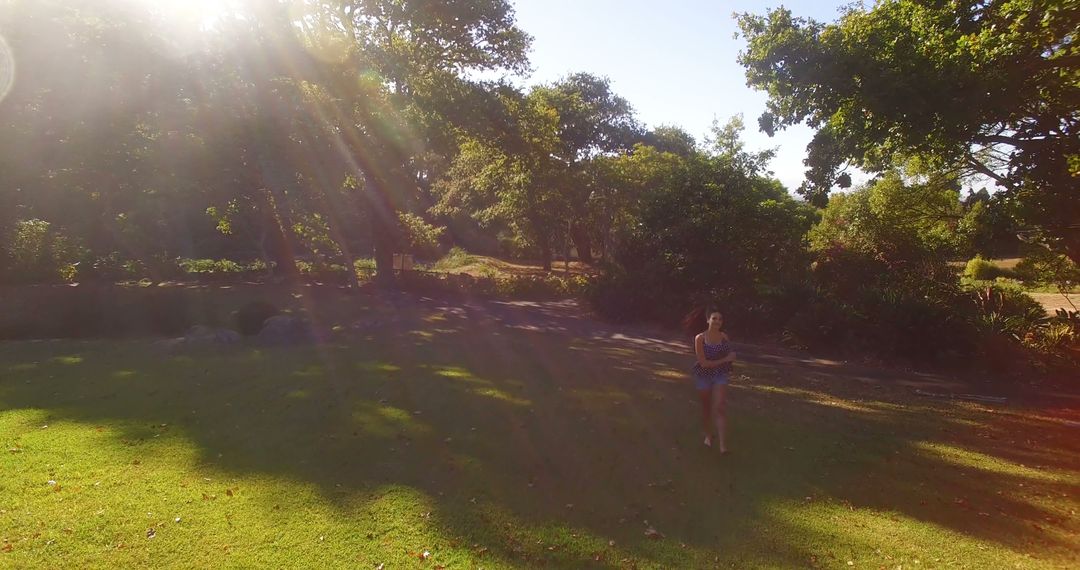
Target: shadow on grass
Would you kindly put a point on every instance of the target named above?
(518, 421)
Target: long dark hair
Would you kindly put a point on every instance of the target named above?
(697, 320)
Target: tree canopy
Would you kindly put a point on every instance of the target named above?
(987, 87)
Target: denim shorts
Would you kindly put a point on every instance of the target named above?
(707, 382)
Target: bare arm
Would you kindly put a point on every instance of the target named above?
(699, 349)
(731, 355)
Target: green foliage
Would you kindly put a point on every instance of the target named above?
(456, 258)
(314, 234)
(323, 272)
(423, 238)
(705, 230)
(881, 280)
(979, 268)
(985, 86)
(727, 144)
(516, 287)
(221, 269)
(894, 218)
(1044, 268)
(144, 164)
(673, 139)
(1008, 312)
(365, 268)
(39, 253)
(113, 267)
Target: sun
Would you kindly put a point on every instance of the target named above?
(201, 14)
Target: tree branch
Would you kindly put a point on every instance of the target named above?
(982, 169)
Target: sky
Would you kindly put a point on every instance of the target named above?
(675, 61)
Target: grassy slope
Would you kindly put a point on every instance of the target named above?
(501, 447)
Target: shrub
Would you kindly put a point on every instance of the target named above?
(981, 269)
(456, 258)
(1007, 310)
(1043, 267)
(220, 269)
(39, 253)
(820, 324)
(365, 267)
(323, 272)
(112, 268)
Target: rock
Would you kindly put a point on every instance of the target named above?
(200, 336)
(286, 330)
(250, 318)
(203, 335)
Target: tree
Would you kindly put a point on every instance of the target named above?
(511, 181)
(988, 87)
(673, 139)
(592, 121)
(895, 220)
(411, 57)
(702, 229)
(727, 144)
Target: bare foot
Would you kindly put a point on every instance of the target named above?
(708, 441)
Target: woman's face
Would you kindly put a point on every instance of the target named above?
(716, 320)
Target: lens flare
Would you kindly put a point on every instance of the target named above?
(7, 69)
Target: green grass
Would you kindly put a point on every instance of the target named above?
(498, 447)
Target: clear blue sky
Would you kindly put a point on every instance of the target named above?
(674, 61)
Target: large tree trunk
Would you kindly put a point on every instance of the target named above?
(1071, 245)
(545, 252)
(582, 241)
(346, 254)
(279, 226)
(384, 230)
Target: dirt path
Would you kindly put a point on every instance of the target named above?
(571, 318)
(1055, 301)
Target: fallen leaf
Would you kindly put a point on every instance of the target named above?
(151, 533)
(7, 547)
(653, 533)
(425, 555)
(229, 492)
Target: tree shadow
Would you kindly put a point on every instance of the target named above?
(517, 420)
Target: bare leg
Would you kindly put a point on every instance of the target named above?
(706, 414)
(719, 408)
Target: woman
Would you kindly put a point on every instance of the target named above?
(712, 371)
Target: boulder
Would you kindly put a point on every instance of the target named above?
(250, 318)
(286, 330)
(201, 336)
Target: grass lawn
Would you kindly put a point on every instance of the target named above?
(498, 438)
